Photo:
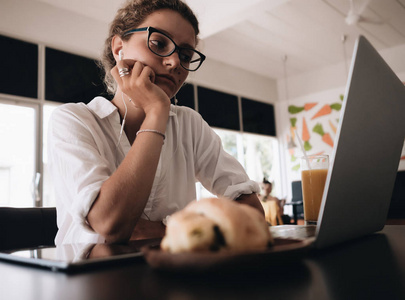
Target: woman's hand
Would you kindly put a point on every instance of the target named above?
(139, 86)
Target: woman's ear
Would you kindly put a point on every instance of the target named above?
(116, 45)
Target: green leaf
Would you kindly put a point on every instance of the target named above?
(318, 129)
(292, 109)
(307, 146)
(336, 106)
(293, 121)
(342, 97)
(296, 167)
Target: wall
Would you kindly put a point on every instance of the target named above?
(323, 87)
(41, 23)
(38, 22)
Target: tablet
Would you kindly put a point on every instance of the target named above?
(71, 257)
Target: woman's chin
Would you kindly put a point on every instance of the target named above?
(169, 91)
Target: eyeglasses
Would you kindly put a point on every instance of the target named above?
(163, 46)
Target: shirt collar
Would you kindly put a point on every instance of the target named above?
(173, 110)
(102, 107)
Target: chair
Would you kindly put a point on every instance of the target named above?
(27, 227)
(296, 201)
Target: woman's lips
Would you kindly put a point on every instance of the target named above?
(167, 78)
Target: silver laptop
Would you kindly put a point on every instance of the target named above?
(365, 160)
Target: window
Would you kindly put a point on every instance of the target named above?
(17, 155)
(218, 109)
(71, 78)
(48, 198)
(257, 154)
(19, 65)
(185, 96)
(258, 117)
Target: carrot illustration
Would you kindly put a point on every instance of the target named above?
(308, 106)
(296, 167)
(325, 136)
(336, 106)
(325, 110)
(292, 109)
(305, 135)
(292, 131)
(290, 143)
(318, 129)
(319, 153)
(305, 132)
(332, 126)
(327, 139)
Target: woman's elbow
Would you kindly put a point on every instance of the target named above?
(113, 232)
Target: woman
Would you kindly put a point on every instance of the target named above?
(121, 167)
(273, 207)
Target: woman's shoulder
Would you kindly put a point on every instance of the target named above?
(186, 114)
(71, 108)
(80, 110)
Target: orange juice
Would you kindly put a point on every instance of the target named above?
(313, 183)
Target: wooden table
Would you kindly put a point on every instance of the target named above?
(370, 268)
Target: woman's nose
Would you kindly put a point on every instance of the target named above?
(172, 60)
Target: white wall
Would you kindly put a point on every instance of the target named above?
(324, 87)
(219, 76)
(41, 23)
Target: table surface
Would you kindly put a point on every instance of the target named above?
(369, 268)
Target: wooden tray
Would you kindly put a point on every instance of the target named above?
(283, 252)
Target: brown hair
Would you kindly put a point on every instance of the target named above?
(133, 13)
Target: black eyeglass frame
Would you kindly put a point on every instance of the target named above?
(151, 29)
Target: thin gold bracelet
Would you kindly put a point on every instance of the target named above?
(152, 130)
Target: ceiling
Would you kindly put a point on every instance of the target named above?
(278, 38)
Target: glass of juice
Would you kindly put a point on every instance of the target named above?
(314, 169)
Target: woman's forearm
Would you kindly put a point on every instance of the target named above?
(252, 200)
(123, 196)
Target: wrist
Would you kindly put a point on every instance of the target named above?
(159, 109)
(156, 118)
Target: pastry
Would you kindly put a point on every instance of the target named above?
(216, 224)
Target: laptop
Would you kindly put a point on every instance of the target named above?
(365, 160)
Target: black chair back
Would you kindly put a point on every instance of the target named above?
(296, 191)
(297, 197)
(27, 227)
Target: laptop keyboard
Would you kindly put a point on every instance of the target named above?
(300, 232)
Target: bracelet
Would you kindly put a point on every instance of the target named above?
(152, 130)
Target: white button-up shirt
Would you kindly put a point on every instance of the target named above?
(85, 148)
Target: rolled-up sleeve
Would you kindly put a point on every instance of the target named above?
(78, 166)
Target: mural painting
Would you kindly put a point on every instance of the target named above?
(316, 125)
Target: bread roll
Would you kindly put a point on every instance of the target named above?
(213, 224)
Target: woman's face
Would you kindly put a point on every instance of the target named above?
(170, 75)
(267, 188)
